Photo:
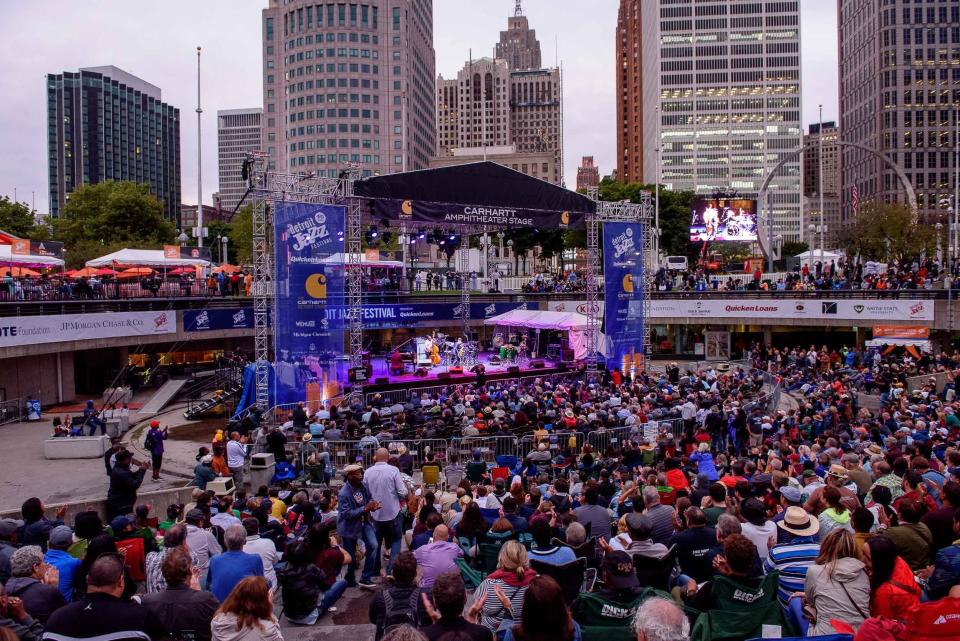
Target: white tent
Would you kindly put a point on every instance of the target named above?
(144, 258)
(814, 256)
(572, 322)
(8, 258)
(338, 258)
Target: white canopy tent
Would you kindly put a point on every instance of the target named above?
(813, 256)
(572, 322)
(8, 258)
(144, 258)
(338, 258)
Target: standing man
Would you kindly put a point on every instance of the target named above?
(154, 443)
(236, 457)
(124, 483)
(386, 487)
(354, 505)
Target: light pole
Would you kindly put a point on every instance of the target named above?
(219, 248)
(515, 262)
(500, 236)
(939, 228)
(812, 229)
(820, 178)
(199, 162)
(224, 254)
(779, 241)
(183, 239)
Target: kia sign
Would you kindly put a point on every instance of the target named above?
(34, 330)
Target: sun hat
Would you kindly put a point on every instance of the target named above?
(797, 521)
(306, 438)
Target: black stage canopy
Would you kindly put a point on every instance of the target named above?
(480, 193)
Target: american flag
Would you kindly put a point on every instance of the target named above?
(856, 199)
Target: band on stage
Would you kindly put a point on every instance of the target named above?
(440, 350)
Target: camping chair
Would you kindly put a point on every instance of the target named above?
(655, 572)
(135, 557)
(604, 620)
(471, 577)
(500, 473)
(431, 475)
(742, 612)
(488, 554)
(586, 550)
(568, 576)
(453, 477)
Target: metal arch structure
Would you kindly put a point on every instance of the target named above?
(762, 194)
(268, 187)
(622, 211)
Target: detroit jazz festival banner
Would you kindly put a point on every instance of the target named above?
(308, 242)
(623, 295)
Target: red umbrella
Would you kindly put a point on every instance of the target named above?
(179, 271)
(103, 271)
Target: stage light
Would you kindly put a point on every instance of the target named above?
(421, 234)
(453, 236)
(373, 232)
(443, 242)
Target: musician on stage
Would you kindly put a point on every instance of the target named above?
(458, 351)
(522, 348)
(435, 352)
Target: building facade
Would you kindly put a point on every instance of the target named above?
(588, 174)
(106, 124)
(720, 87)
(238, 133)
(499, 103)
(900, 95)
(349, 84)
(537, 164)
(832, 219)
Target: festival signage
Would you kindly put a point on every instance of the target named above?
(793, 309)
(451, 214)
(206, 320)
(48, 248)
(178, 252)
(901, 331)
(35, 330)
(623, 295)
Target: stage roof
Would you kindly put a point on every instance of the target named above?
(482, 184)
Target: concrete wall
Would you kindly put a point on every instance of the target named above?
(33, 375)
(159, 500)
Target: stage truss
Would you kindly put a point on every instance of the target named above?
(267, 188)
(641, 212)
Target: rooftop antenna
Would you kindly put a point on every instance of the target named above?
(518, 10)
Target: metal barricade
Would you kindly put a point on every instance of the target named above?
(343, 453)
(602, 439)
(673, 426)
(556, 441)
(389, 397)
(490, 447)
(419, 449)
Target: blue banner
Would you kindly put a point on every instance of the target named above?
(623, 295)
(308, 281)
(377, 316)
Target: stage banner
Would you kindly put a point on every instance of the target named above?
(623, 295)
(308, 281)
(427, 212)
(35, 330)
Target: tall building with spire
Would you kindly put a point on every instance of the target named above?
(518, 44)
(506, 109)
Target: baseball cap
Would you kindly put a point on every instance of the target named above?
(119, 524)
(154, 423)
(9, 526)
(790, 494)
(619, 571)
(61, 536)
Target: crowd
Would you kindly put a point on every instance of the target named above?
(821, 519)
(570, 281)
(54, 286)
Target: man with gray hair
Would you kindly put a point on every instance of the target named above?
(35, 583)
(659, 619)
(662, 517)
(728, 525)
(227, 569)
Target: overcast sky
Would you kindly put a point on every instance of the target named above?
(157, 41)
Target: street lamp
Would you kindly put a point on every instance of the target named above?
(183, 239)
(223, 250)
(510, 249)
(219, 248)
(779, 239)
(939, 227)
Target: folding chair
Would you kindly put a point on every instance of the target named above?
(500, 473)
(431, 475)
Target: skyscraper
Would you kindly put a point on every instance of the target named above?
(720, 88)
(588, 174)
(831, 183)
(238, 133)
(106, 124)
(518, 44)
(504, 104)
(347, 83)
(900, 96)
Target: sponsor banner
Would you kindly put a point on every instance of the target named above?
(48, 248)
(623, 295)
(900, 331)
(207, 320)
(744, 310)
(428, 212)
(374, 316)
(176, 252)
(34, 330)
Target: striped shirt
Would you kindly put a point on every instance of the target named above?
(792, 560)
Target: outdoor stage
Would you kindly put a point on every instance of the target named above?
(382, 380)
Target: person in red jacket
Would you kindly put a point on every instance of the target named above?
(893, 590)
(937, 620)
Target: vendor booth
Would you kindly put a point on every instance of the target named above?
(145, 258)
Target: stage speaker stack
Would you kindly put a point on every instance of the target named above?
(456, 369)
(538, 364)
(513, 369)
(382, 380)
(444, 376)
(421, 372)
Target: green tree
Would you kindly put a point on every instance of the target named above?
(241, 236)
(674, 213)
(791, 248)
(885, 231)
(16, 218)
(108, 216)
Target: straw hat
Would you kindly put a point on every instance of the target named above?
(797, 521)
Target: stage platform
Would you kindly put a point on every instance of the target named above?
(382, 380)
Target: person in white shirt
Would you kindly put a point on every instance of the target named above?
(224, 517)
(386, 487)
(262, 547)
(202, 543)
(236, 457)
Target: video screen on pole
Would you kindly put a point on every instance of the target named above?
(723, 219)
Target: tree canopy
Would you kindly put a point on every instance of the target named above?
(16, 218)
(885, 231)
(674, 214)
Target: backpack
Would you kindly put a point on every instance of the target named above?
(397, 613)
(149, 443)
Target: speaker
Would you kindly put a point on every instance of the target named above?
(444, 376)
(381, 380)
(562, 367)
(513, 369)
(456, 370)
(421, 372)
(536, 364)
